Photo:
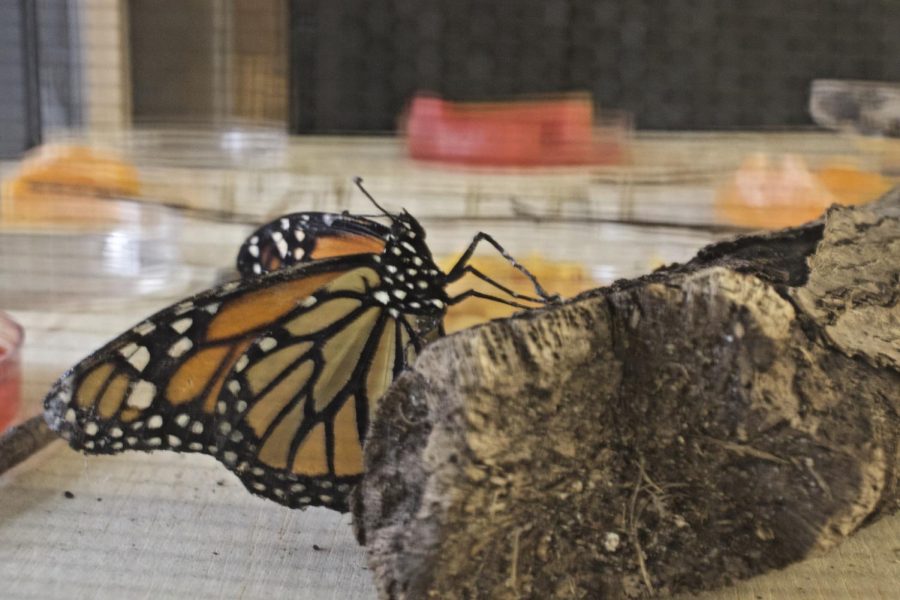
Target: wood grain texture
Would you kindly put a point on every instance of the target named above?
(703, 424)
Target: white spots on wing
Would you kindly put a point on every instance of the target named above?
(182, 420)
(381, 296)
(197, 427)
(259, 487)
(415, 305)
(174, 440)
(70, 416)
(240, 406)
(409, 247)
(376, 258)
(422, 284)
(278, 492)
(257, 268)
(309, 301)
(276, 235)
(285, 224)
(181, 325)
(297, 488)
(437, 303)
(325, 498)
(195, 446)
(212, 308)
(253, 251)
(230, 457)
(230, 286)
(257, 471)
(395, 250)
(144, 328)
(401, 277)
(236, 437)
(180, 347)
(409, 285)
(225, 428)
(90, 428)
(89, 445)
(137, 425)
(128, 349)
(234, 387)
(399, 294)
(411, 271)
(154, 422)
(115, 432)
(254, 240)
(282, 247)
(142, 394)
(183, 308)
(131, 440)
(221, 407)
(394, 313)
(298, 253)
(391, 268)
(117, 445)
(140, 358)
(241, 363)
(267, 343)
(154, 441)
(417, 261)
(304, 217)
(299, 235)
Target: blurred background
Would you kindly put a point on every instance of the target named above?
(142, 140)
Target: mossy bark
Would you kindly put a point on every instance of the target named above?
(705, 423)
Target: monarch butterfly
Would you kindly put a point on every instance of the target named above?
(275, 375)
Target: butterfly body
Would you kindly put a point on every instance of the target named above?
(276, 375)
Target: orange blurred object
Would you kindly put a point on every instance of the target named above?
(10, 370)
(764, 193)
(556, 131)
(64, 183)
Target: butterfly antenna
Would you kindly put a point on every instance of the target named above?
(359, 183)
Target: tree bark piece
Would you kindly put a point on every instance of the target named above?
(705, 423)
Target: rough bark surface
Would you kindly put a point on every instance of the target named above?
(705, 423)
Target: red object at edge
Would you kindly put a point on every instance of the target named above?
(10, 371)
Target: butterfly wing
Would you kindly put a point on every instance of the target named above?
(307, 236)
(171, 381)
(297, 404)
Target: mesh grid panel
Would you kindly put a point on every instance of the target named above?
(701, 64)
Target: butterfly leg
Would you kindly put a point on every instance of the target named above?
(472, 270)
(459, 269)
(476, 294)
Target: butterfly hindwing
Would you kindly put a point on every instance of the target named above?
(307, 236)
(299, 399)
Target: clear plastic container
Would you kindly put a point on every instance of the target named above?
(68, 264)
